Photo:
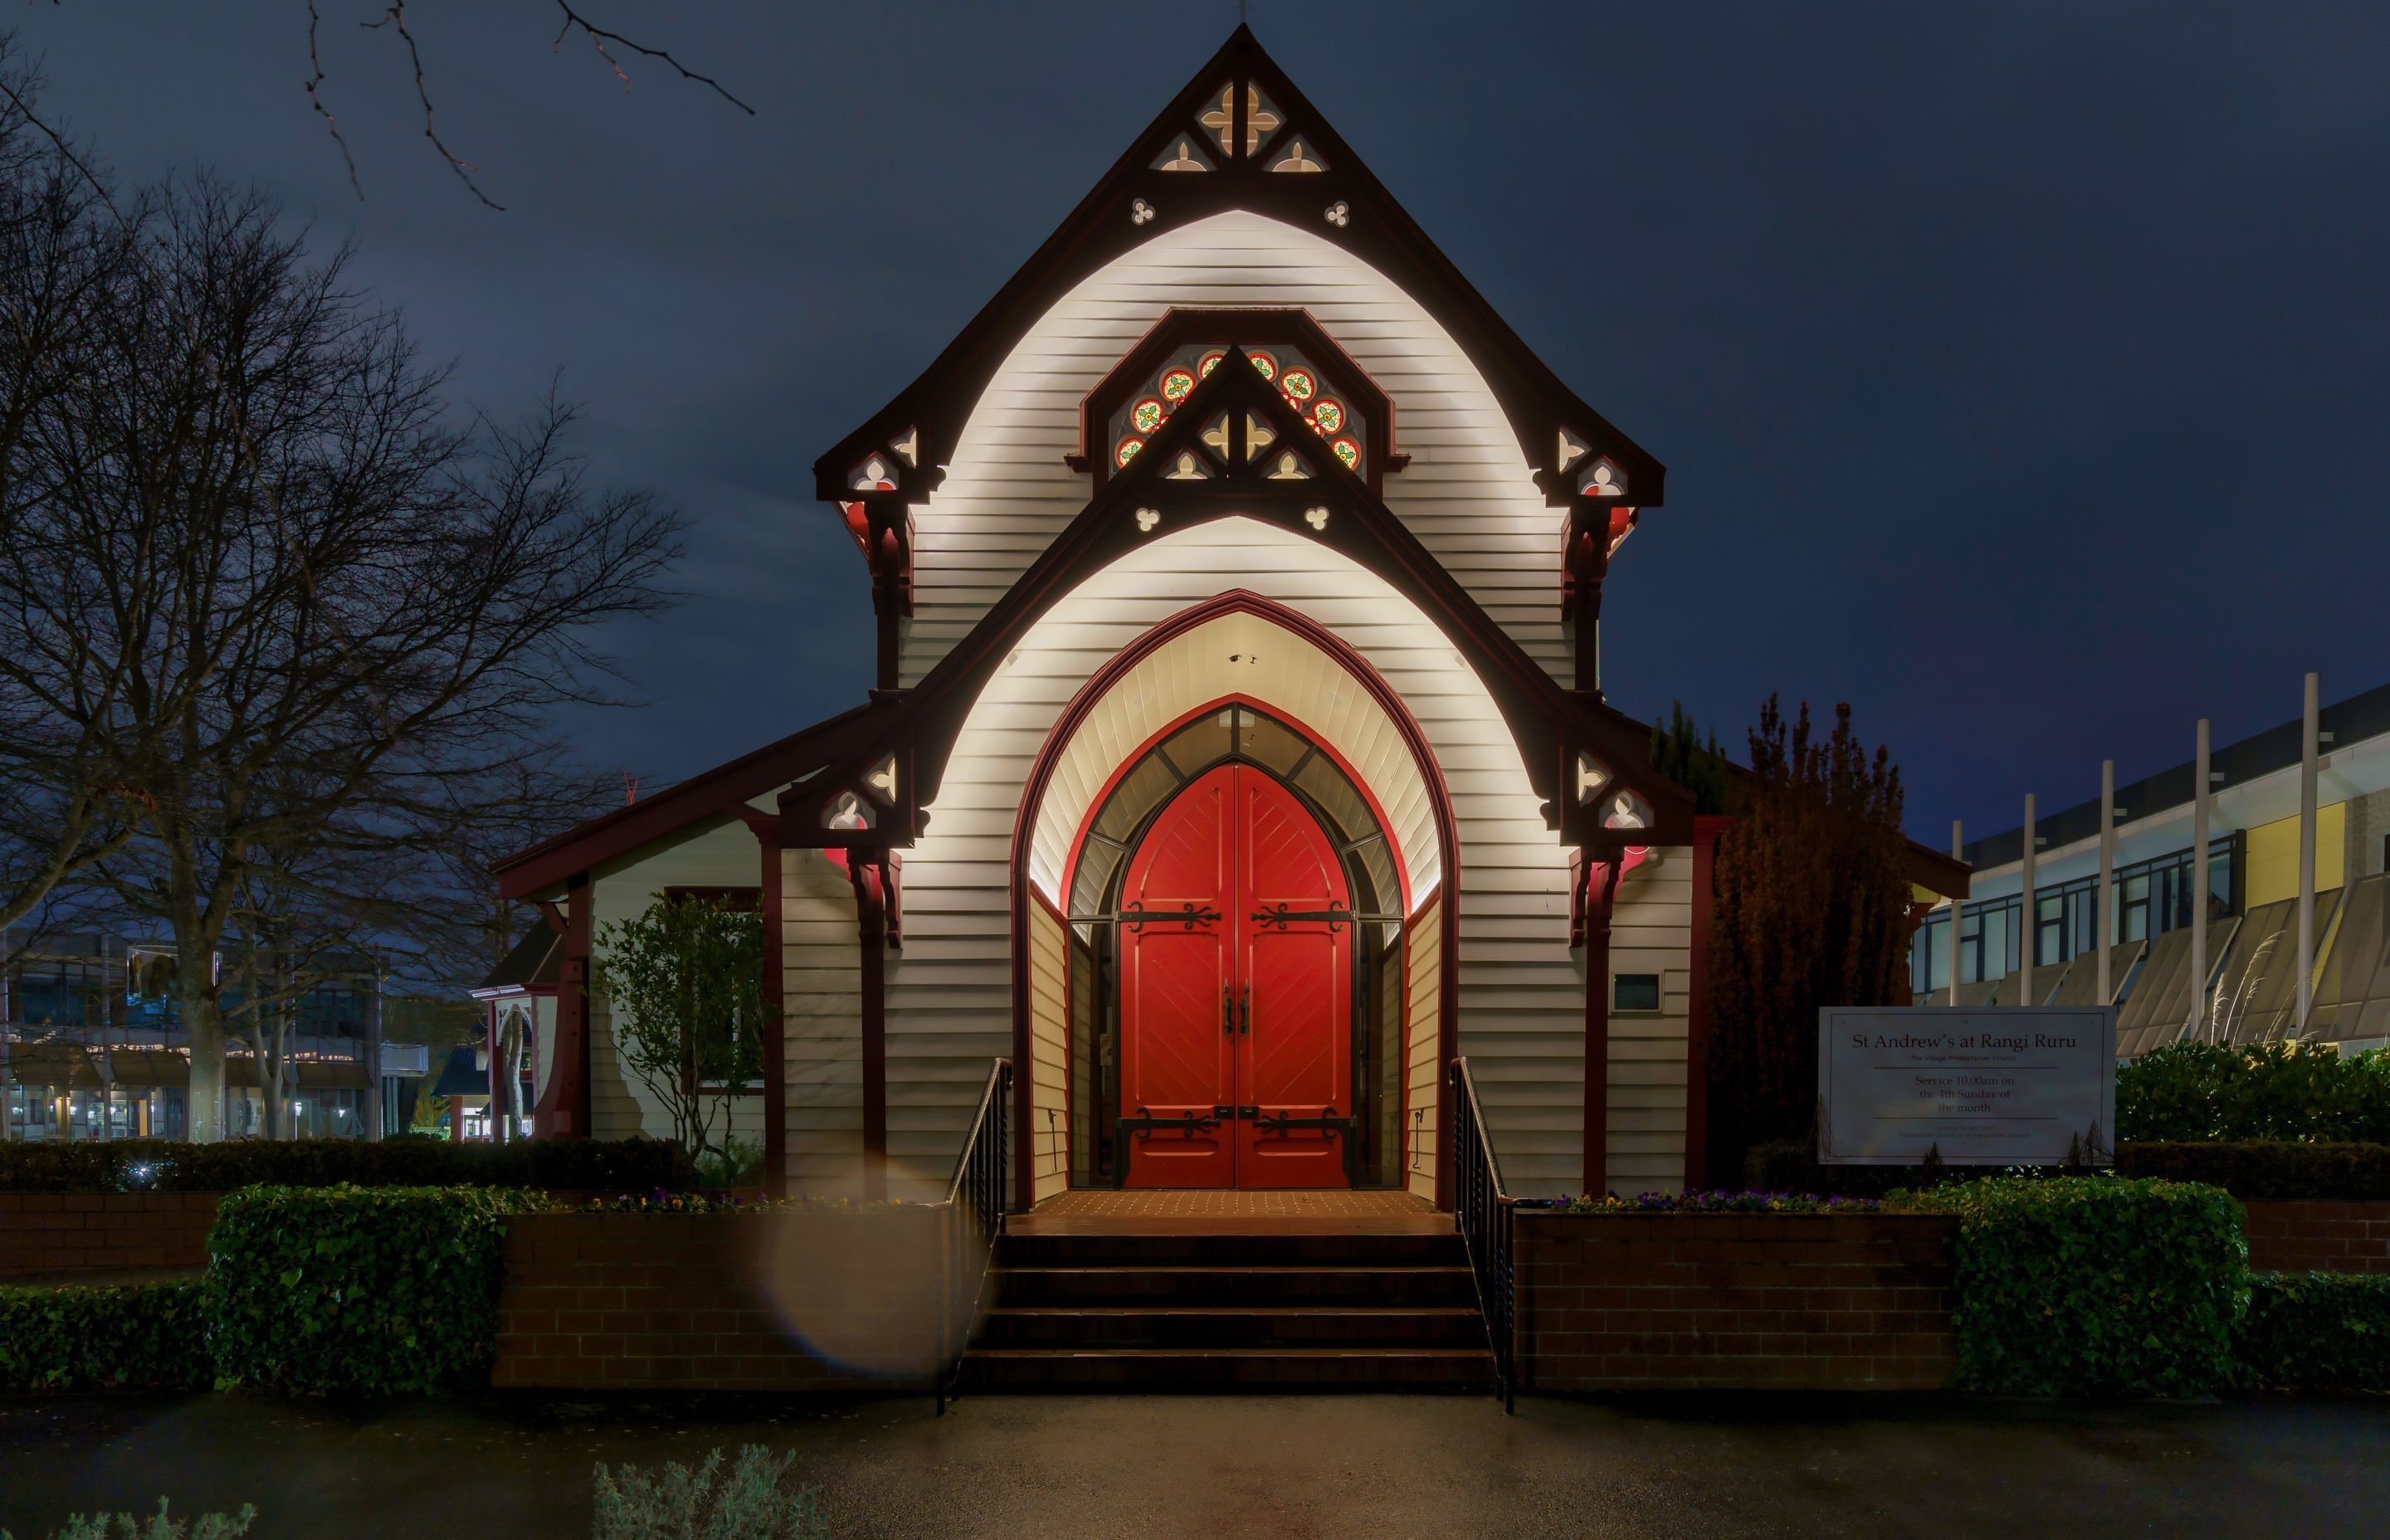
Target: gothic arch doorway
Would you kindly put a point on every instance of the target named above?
(1237, 929)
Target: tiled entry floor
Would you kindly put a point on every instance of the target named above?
(1092, 1211)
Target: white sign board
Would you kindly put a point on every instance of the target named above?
(2016, 1086)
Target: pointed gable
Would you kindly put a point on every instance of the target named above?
(1240, 137)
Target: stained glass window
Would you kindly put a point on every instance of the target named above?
(1605, 481)
(1288, 469)
(1175, 384)
(1127, 451)
(1298, 384)
(1146, 415)
(1210, 361)
(1259, 436)
(1182, 155)
(1348, 452)
(1328, 416)
(1264, 363)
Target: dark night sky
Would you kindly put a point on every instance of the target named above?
(2023, 371)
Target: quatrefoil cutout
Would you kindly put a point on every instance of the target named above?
(1147, 517)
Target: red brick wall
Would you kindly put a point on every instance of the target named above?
(1735, 1301)
(59, 1236)
(784, 1300)
(2335, 1235)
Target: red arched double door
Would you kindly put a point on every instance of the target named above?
(1236, 967)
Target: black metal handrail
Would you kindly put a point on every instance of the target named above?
(1484, 1213)
(975, 1206)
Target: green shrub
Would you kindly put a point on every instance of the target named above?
(2313, 1331)
(371, 1290)
(160, 1526)
(2247, 1169)
(2254, 1091)
(147, 1336)
(159, 1166)
(752, 1503)
(2259, 1169)
(2068, 1285)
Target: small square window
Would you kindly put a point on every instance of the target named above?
(1635, 991)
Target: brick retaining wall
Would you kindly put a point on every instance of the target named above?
(1735, 1301)
(791, 1301)
(2335, 1235)
(62, 1236)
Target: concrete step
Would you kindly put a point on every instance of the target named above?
(1237, 1326)
(1230, 1250)
(1312, 1369)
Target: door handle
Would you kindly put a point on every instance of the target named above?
(1227, 1009)
(1245, 1013)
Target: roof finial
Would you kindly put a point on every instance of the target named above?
(1242, 17)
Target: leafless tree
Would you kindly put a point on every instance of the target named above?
(258, 556)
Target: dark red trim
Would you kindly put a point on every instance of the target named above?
(722, 791)
(563, 1110)
(1041, 771)
(1707, 827)
(1548, 724)
(1279, 327)
(871, 934)
(1106, 224)
(1601, 892)
(1277, 713)
(776, 1024)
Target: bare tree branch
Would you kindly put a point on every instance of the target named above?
(600, 37)
(315, 99)
(463, 170)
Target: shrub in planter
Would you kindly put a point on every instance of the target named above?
(148, 1336)
(2316, 1331)
(370, 1290)
(752, 1503)
(2254, 1091)
(2267, 1168)
(160, 1526)
(159, 1166)
(2068, 1285)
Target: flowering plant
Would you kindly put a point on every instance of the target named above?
(1712, 1202)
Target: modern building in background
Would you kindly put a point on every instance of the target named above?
(2242, 979)
(92, 1046)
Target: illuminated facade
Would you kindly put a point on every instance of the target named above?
(1238, 757)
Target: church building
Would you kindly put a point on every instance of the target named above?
(1238, 758)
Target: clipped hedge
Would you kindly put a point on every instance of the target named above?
(160, 1165)
(359, 1290)
(2265, 1168)
(146, 1336)
(2316, 1331)
(2247, 1169)
(2094, 1284)
(2229, 1091)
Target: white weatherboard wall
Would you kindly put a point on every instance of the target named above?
(1467, 494)
(1049, 1053)
(1650, 931)
(1422, 1076)
(1522, 999)
(717, 852)
(821, 992)
(1239, 654)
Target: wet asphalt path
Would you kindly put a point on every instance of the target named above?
(1289, 1468)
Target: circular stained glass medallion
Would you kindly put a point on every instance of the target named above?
(1298, 384)
(1127, 451)
(1175, 384)
(1348, 452)
(1328, 415)
(1266, 363)
(1146, 415)
(1209, 362)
